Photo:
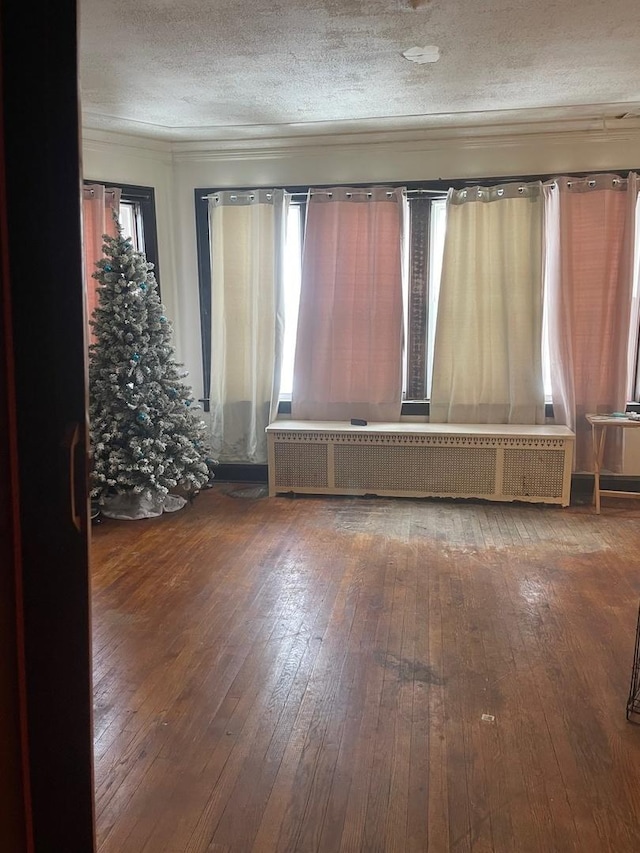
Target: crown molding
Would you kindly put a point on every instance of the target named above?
(243, 135)
(135, 146)
(466, 138)
(575, 132)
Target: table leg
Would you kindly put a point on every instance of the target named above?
(598, 441)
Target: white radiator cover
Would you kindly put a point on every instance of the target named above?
(503, 462)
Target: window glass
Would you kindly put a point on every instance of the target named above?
(634, 356)
(437, 227)
(131, 222)
(292, 273)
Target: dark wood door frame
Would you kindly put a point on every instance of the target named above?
(15, 815)
(44, 396)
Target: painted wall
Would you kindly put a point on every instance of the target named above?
(175, 170)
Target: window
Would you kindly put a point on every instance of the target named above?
(634, 351)
(437, 226)
(428, 246)
(425, 243)
(132, 225)
(427, 226)
(138, 219)
(292, 272)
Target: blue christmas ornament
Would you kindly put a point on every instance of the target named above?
(141, 417)
(163, 319)
(107, 268)
(143, 286)
(136, 356)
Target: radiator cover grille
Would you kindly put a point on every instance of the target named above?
(533, 472)
(301, 464)
(445, 470)
(419, 461)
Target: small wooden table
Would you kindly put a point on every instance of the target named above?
(599, 426)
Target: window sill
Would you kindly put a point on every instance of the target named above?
(410, 408)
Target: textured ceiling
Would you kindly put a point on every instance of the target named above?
(196, 69)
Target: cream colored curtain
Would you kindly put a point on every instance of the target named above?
(247, 232)
(488, 356)
(590, 227)
(98, 204)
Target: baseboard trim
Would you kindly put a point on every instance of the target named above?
(581, 484)
(241, 472)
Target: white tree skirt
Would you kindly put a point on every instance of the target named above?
(130, 506)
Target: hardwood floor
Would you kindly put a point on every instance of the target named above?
(352, 674)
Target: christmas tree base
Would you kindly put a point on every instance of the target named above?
(130, 506)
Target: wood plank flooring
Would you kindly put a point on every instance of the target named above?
(353, 674)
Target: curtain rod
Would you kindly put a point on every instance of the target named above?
(93, 192)
(591, 180)
(243, 193)
(416, 191)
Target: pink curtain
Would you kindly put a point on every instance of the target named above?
(348, 360)
(590, 226)
(98, 203)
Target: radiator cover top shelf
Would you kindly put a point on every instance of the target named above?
(500, 462)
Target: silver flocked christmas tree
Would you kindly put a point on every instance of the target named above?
(145, 437)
